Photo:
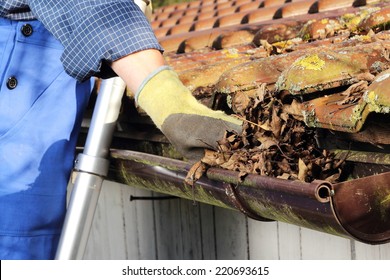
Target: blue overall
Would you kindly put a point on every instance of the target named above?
(41, 109)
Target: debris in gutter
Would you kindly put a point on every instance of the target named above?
(273, 143)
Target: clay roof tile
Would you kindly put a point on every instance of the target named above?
(331, 57)
(260, 15)
(206, 15)
(294, 9)
(251, 6)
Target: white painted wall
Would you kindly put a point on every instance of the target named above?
(178, 229)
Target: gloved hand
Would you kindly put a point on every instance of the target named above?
(189, 126)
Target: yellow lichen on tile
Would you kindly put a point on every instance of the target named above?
(381, 87)
(377, 95)
(284, 44)
(351, 21)
(372, 100)
(310, 62)
(371, 97)
(324, 21)
(362, 38)
(319, 71)
(230, 53)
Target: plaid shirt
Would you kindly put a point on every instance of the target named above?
(93, 33)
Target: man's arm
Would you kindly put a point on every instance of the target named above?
(135, 68)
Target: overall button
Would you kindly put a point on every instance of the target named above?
(27, 30)
(12, 82)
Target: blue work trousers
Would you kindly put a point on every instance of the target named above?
(41, 108)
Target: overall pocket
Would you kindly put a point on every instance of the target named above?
(31, 63)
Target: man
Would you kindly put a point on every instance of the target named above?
(49, 51)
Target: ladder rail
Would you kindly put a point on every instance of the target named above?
(91, 166)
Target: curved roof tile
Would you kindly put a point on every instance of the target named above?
(320, 50)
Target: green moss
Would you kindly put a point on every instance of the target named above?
(310, 119)
(382, 204)
(162, 186)
(169, 151)
(286, 214)
(357, 114)
(203, 196)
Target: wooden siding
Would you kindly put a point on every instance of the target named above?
(179, 229)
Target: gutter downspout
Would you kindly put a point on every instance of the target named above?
(357, 209)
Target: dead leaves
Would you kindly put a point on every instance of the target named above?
(273, 143)
(196, 171)
(302, 170)
(354, 93)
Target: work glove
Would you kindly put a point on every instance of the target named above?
(189, 125)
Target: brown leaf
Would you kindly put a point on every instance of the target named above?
(268, 143)
(196, 171)
(240, 102)
(354, 93)
(268, 47)
(224, 145)
(333, 178)
(229, 165)
(284, 166)
(276, 124)
(260, 93)
(259, 165)
(366, 76)
(210, 158)
(285, 176)
(266, 126)
(303, 169)
(294, 109)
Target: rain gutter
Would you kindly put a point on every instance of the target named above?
(357, 209)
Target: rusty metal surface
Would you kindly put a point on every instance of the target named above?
(358, 209)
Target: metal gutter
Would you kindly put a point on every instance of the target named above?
(357, 209)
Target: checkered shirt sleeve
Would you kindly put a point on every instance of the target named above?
(15, 9)
(94, 33)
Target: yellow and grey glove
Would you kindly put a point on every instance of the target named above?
(189, 126)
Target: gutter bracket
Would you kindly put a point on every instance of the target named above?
(231, 193)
